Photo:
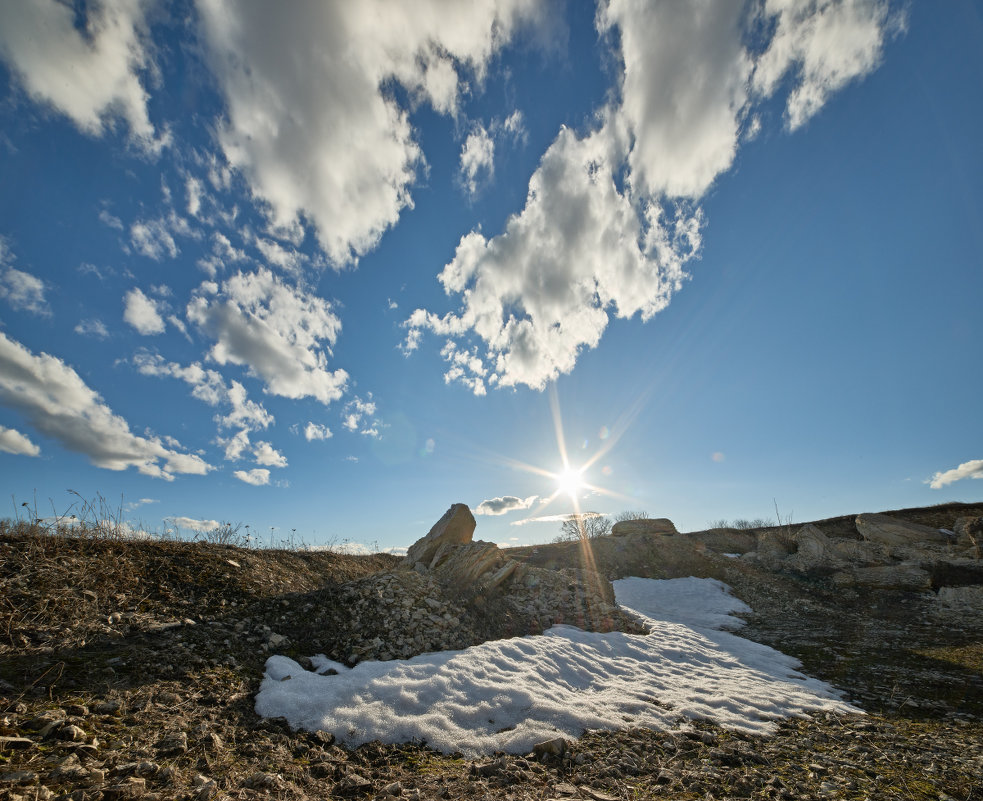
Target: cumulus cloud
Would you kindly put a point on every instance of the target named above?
(58, 403)
(612, 215)
(503, 505)
(359, 416)
(313, 431)
(477, 159)
(971, 469)
(142, 313)
(194, 524)
(88, 72)
(827, 44)
(258, 477)
(281, 333)
(318, 135)
(12, 441)
(267, 455)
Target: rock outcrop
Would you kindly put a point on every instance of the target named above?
(456, 527)
(893, 532)
(657, 525)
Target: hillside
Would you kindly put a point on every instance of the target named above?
(128, 670)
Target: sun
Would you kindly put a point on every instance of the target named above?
(570, 481)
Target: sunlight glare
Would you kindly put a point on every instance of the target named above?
(570, 481)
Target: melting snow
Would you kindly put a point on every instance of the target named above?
(510, 694)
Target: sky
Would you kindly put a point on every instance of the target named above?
(509, 695)
(324, 269)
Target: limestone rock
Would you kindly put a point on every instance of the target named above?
(658, 525)
(969, 530)
(456, 527)
(814, 550)
(885, 577)
(961, 599)
(893, 532)
(859, 552)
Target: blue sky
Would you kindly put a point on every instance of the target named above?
(328, 269)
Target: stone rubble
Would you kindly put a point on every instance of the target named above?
(451, 592)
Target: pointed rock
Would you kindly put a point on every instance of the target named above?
(456, 527)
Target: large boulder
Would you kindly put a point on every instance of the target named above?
(645, 525)
(814, 551)
(893, 532)
(456, 527)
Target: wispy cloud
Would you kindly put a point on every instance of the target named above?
(477, 159)
(20, 289)
(971, 469)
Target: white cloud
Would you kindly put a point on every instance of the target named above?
(92, 328)
(358, 416)
(110, 220)
(23, 291)
(20, 289)
(477, 159)
(318, 135)
(155, 238)
(142, 313)
(281, 333)
(827, 43)
(267, 455)
(314, 431)
(58, 403)
(612, 215)
(194, 190)
(223, 248)
(90, 74)
(209, 386)
(12, 441)
(538, 293)
(503, 505)
(552, 518)
(258, 477)
(235, 445)
(515, 125)
(195, 524)
(971, 469)
(287, 259)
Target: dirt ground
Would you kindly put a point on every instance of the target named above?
(128, 670)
